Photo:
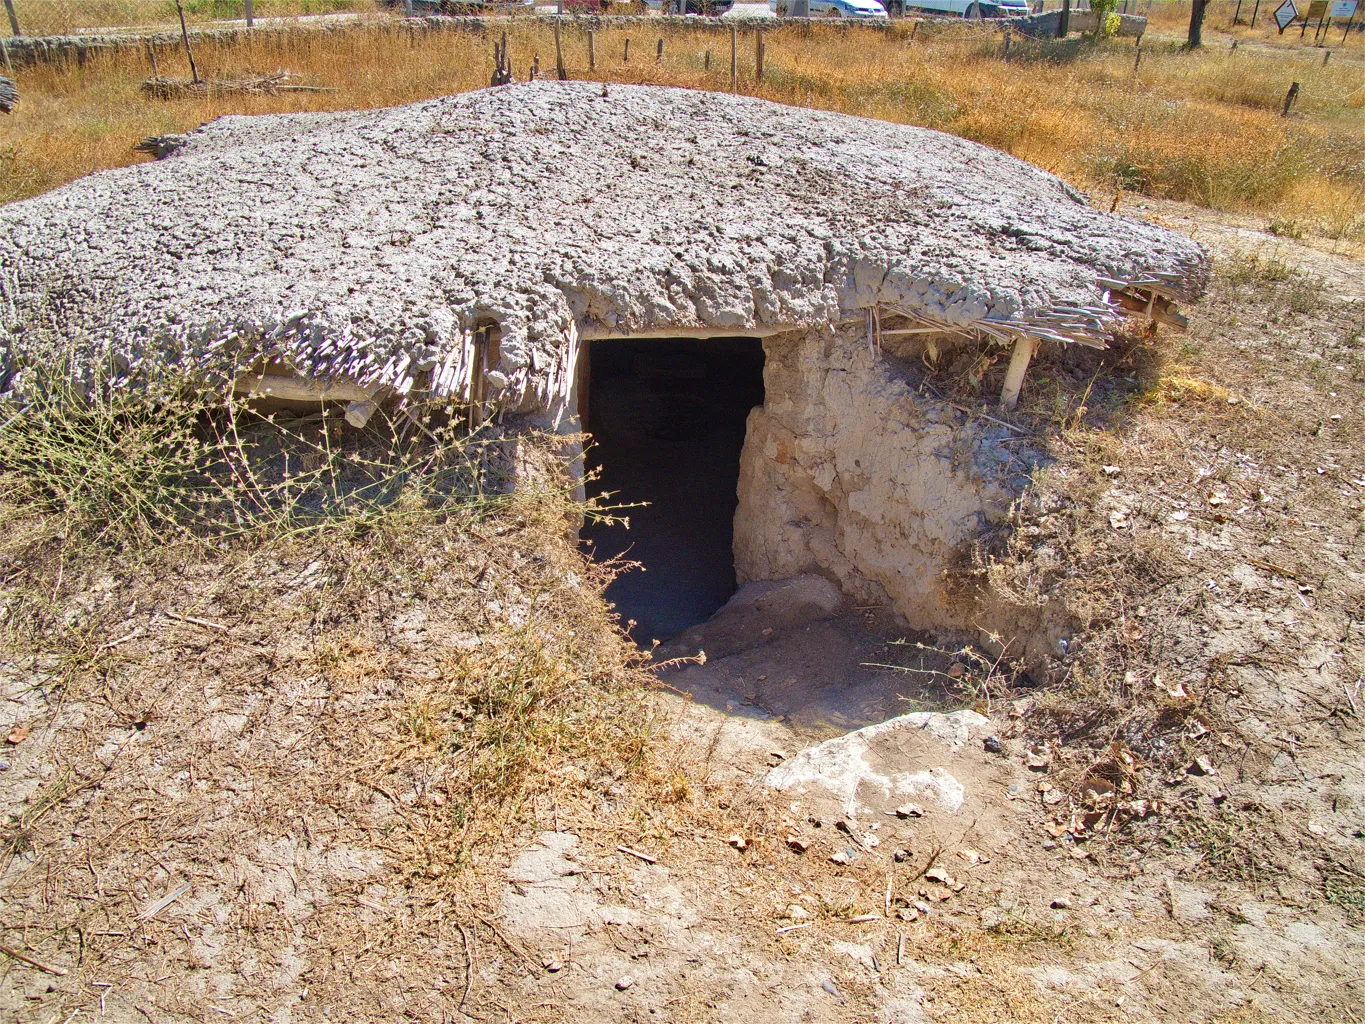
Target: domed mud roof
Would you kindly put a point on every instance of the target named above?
(370, 244)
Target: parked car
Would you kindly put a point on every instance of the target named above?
(708, 8)
(423, 8)
(847, 9)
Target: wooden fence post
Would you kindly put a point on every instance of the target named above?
(562, 75)
(185, 35)
(659, 52)
(592, 50)
(707, 65)
(1289, 98)
(1064, 22)
(250, 14)
(758, 55)
(734, 59)
(13, 20)
(626, 58)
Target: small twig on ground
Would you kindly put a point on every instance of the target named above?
(636, 853)
(198, 622)
(793, 927)
(468, 967)
(510, 944)
(933, 856)
(164, 902)
(35, 964)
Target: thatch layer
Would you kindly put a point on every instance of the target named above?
(371, 244)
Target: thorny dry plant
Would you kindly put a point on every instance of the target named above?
(1165, 654)
(236, 637)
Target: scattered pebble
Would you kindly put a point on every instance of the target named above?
(1061, 903)
(921, 906)
(901, 856)
(992, 744)
(829, 986)
(797, 844)
(909, 811)
(553, 966)
(738, 842)
(624, 983)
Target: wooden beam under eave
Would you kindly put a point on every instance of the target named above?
(1014, 376)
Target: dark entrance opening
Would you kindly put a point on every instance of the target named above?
(667, 420)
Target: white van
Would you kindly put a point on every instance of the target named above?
(989, 8)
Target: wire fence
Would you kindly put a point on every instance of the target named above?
(97, 17)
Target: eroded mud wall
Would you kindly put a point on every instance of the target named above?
(850, 471)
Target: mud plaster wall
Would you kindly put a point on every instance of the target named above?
(849, 471)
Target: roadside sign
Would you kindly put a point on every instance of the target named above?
(1343, 8)
(1286, 14)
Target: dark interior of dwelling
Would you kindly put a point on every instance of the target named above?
(667, 420)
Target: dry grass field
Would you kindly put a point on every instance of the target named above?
(1202, 127)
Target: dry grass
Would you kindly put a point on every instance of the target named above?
(72, 17)
(1201, 127)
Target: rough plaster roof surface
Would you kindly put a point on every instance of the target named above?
(370, 243)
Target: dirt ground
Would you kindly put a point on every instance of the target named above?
(1167, 824)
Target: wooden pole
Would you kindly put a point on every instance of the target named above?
(626, 58)
(4, 52)
(734, 59)
(13, 20)
(1014, 376)
(1289, 98)
(151, 56)
(1237, 14)
(707, 65)
(1255, 11)
(592, 50)
(185, 35)
(250, 14)
(1064, 22)
(659, 52)
(559, 57)
(758, 55)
